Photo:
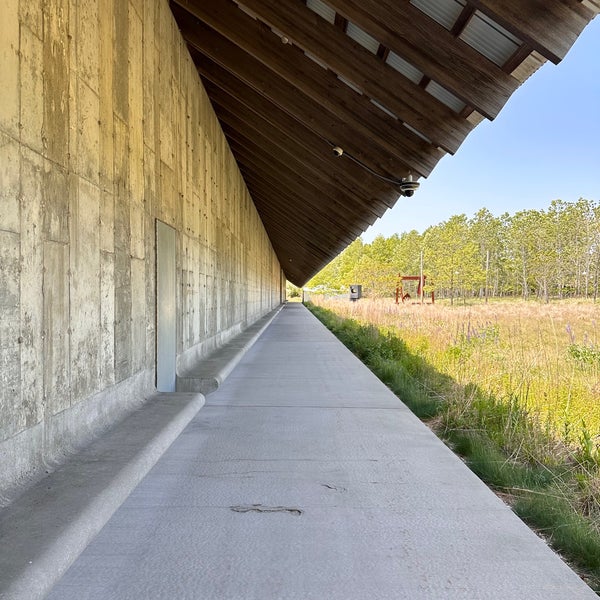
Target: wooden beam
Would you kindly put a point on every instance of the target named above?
(291, 231)
(282, 112)
(312, 136)
(295, 242)
(298, 167)
(331, 129)
(295, 257)
(299, 231)
(345, 175)
(315, 219)
(339, 205)
(463, 20)
(521, 53)
(285, 69)
(277, 195)
(292, 207)
(548, 26)
(339, 21)
(431, 48)
(297, 220)
(281, 193)
(290, 234)
(304, 224)
(365, 70)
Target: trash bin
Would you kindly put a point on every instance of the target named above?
(355, 292)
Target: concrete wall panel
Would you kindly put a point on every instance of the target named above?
(32, 90)
(120, 17)
(10, 182)
(138, 314)
(31, 290)
(56, 85)
(107, 221)
(30, 14)
(120, 168)
(84, 288)
(87, 35)
(10, 349)
(105, 85)
(150, 294)
(56, 315)
(150, 182)
(88, 132)
(150, 75)
(167, 196)
(137, 230)
(136, 107)
(9, 73)
(139, 6)
(166, 125)
(107, 319)
(55, 197)
(123, 298)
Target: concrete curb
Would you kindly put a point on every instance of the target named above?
(47, 528)
(207, 376)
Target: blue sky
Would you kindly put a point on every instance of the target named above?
(544, 145)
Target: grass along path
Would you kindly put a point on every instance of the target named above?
(455, 371)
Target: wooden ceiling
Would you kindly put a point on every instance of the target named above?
(395, 84)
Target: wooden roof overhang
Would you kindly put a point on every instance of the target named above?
(395, 84)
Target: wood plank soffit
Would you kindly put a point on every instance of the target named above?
(285, 71)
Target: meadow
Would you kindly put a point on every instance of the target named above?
(543, 357)
(512, 386)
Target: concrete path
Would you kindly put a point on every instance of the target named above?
(304, 477)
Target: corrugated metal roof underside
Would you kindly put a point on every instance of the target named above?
(396, 85)
(322, 10)
(444, 12)
(490, 39)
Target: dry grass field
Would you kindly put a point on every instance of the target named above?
(543, 357)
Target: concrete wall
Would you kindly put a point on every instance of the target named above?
(104, 128)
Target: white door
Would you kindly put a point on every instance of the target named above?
(166, 314)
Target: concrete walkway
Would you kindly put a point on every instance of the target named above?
(304, 477)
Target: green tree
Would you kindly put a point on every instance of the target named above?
(292, 291)
(520, 232)
(487, 231)
(336, 277)
(594, 258)
(574, 239)
(375, 269)
(407, 259)
(452, 258)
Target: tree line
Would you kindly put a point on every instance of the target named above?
(552, 253)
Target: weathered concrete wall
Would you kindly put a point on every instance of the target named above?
(104, 128)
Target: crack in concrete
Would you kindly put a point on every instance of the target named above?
(261, 508)
(336, 488)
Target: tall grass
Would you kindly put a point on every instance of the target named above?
(544, 358)
(513, 387)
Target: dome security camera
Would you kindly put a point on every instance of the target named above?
(408, 187)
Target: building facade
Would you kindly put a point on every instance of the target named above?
(106, 137)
